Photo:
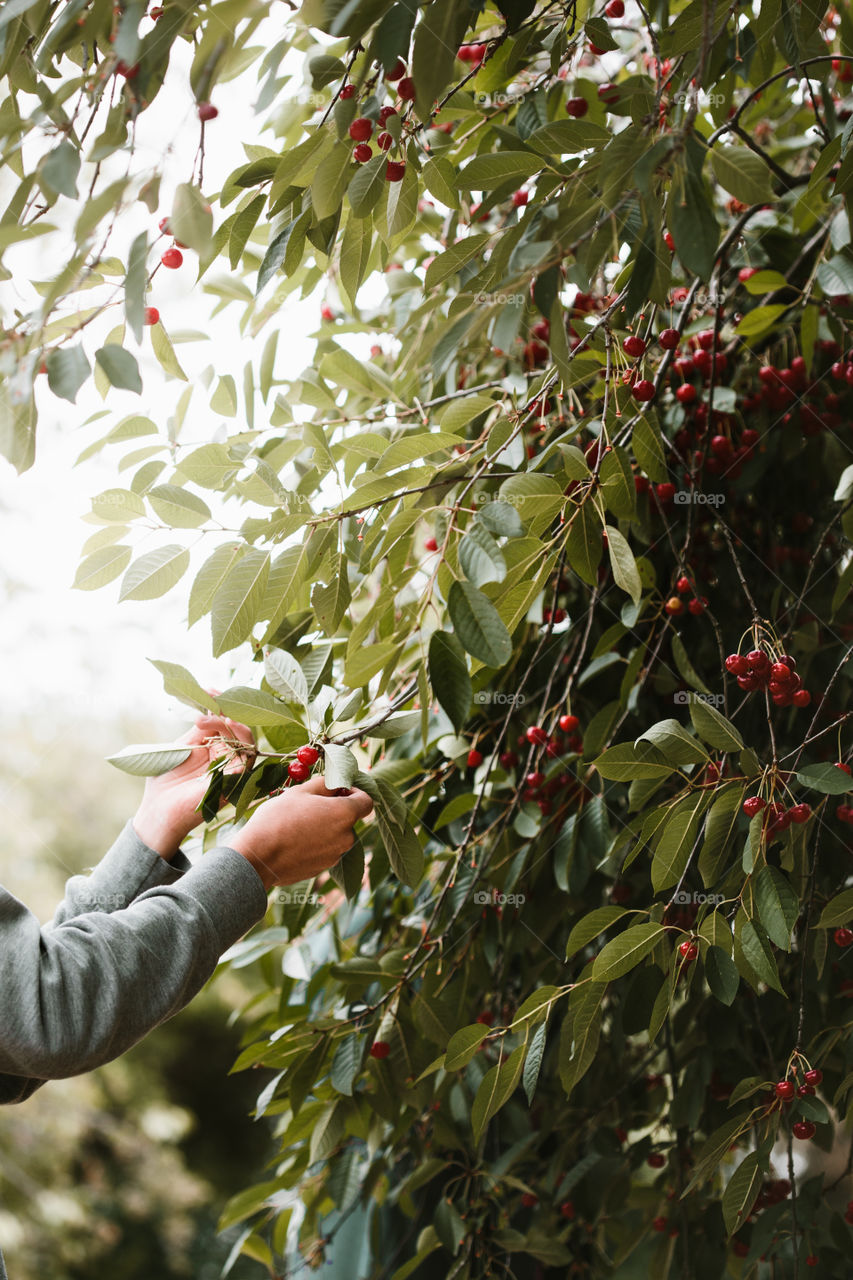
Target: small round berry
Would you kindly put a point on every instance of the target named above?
(207, 111)
(347, 92)
(380, 1049)
(812, 1260)
(308, 755)
(129, 72)
(843, 937)
(406, 89)
(804, 1129)
(577, 107)
(686, 393)
(737, 664)
(785, 1089)
(528, 1200)
(431, 545)
(486, 1018)
(746, 273)
(615, 9)
(682, 586)
(361, 129)
(298, 771)
(801, 698)
(674, 606)
(567, 1210)
(697, 606)
(607, 93)
(165, 226)
(385, 141)
(800, 813)
(688, 950)
(362, 153)
(395, 170)
(633, 345)
(668, 339)
(665, 491)
(397, 71)
(669, 241)
(644, 390)
(475, 758)
(535, 778)
(535, 734)
(815, 1076)
(753, 805)
(656, 1160)
(172, 259)
(845, 767)
(568, 724)
(386, 113)
(150, 315)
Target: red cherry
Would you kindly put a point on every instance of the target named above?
(172, 259)
(607, 93)
(397, 71)
(721, 446)
(156, 12)
(753, 805)
(361, 129)
(385, 141)
(804, 1129)
(508, 760)
(845, 767)
(406, 89)
(129, 73)
(644, 390)
(520, 198)
(737, 664)
(347, 92)
(394, 170)
(633, 345)
(150, 315)
(668, 339)
(688, 950)
(528, 1200)
(431, 545)
(697, 606)
(686, 393)
(669, 242)
(298, 771)
(165, 226)
(567, 1209)
(535, 734)
(843, 937)
(615, 9)
(308, 755)
(475, 758)
(801, 698)
(362, 153)
(665, 491)
(746, 273)
(779, 671)
(207, 111)
(805, 1091)
(800, 813)
(569, 723)
(785, 1090)
(812, 1260)
(535, 779)
(486, 1018)
(577, 107)
(815, 1076)
(656, 1160)
(380, 1049)
(386, 113)
(740, 1248)
(749, 437)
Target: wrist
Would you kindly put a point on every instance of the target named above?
(161, 836)
(242, 846)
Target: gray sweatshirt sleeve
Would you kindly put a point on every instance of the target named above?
(125, 871)
(79, 992)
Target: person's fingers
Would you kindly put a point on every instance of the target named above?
(316, 786)
(360, 803)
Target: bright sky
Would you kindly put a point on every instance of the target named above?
(82, 650)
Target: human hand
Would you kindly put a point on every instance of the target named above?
(169, 808)
(296, 835)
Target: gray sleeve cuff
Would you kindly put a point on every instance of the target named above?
(127, 869)
(229, 889)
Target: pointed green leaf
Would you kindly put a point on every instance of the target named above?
(478, 625)
(154, 573)
(149, 761)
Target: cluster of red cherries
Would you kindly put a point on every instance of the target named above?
(777, 818)
(536, 788)
(757, 670)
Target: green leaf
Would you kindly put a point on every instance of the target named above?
(164, 351)
(756, 950)
(439, 177)
(690, 218)
(676, 744)
(153, 574)
(584, 545)
(722, 975)
(496, 1088)
(533, 1061)
(713, 727)
(741, 1192)
(254, 708)
(485, 172)
(366, 188)
(149, 761)
(101, 567)
(625, 952)
(648, 450)
(674, 847)
(827, 778)
(448, 673)
(286, 677)
(210, 577)
(120, 367)
(463, 1045)
(234, 609)
(623, 564)
(502, 519)
(331, 179)
(720, 824)
(478, 625)
(580, 1033)
(134, 285)
(58, 171)
(591, 926)
(742, 173)
(346, 1064)
(760, 320)
(179, 683)
(625, 762)
(341, 766)
(480, 557)
(191, 219)
(331, 601)
(437, 37)
(404, 851)
(67, 370)
(177, 507)
(838, 911)
(778, 905)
